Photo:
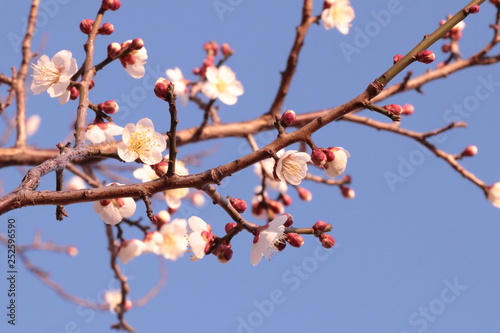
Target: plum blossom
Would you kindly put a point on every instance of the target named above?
(99, 132)
(174, 197)
(267, 166)
(177, 78)
(201, 238)
(75, 183)
(493, 194)
(112, 211)
(134, 61)
(54, 75)
(131, 249)
(337, 14)
(264, 243)
(32, 124)
(141, 141)
(292, 166)
(338, 165)
(152, 242)
(222, 84)
(145, 173)
(174, 239)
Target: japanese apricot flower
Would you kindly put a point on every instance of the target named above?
(264, 242)
(134, 61)
(102, 132)
(266, 166)
(174, 242)
(222, 84)
(201, 238)
(175, 76)
(338, 165)
(337, 14)
(54, 75)
(292, 166)
(493, 194)
(114, 210)
(141, 141)
(114, 297)
(130, 249)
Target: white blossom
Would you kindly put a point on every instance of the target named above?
(141, 141)
(493, 194)
(200, 236)
(102, 132)
(177, 78)
(174, 242)
(338, 15)
(292, 166)
(113, 211)
(54, 75)
(222, 84)
(130, 249)
(266, 238)
(134, 62)
(337, 166)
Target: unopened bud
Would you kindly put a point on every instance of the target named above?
(320, 227)
(408, 109)
(286, 199)
(86, 26)
(136, 44)
(327, 240)
(160, 168)
(72, 251)
(229, 227)
(162, 218)
(226, 50)
(446, 48)
(469, 151)
(224, 253)
(347, 192)
(289, 221)
(318, 157)
(304, 193)
(294, 239)
(111, 4)
(106, 29)
(109, 107)
(276, 206)
(347, 179)
(161, 88)
(396, 58)
(73, 93)
(426, 57)
(288, 118)
(472, 9)
(114, 49)
(394, 109)
(239, 204)
(330, 155)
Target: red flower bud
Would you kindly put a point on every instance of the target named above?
(347, 192)
(239, 205)
(318, 156)
(136, 44)
(73, 93)
(109, 107)
(286, 199)
(288, 118)
(224, 253)
(86, 26)
(396, 58)
(114, 50)
(289, 221)
(294, 239)
(469, 151)
(408, 109)
(426, 57)
(304, 193)
(226, 50)
(394, 109)
(472, 9)
(320, 226)
(229, 227)
(161, 88)
(111, 4)
(327, 240)
(106, 29)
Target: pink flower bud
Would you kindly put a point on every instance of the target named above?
(161, 88)
(136, 44)
(226, 50)
(111, 4)
(394, 109)
(114, 50)
(446, 48)
(109, 107)
(469, 151)
(86, 26)
(106, 29)
(318, 156)
(224, 253)
(408, 109)
(105, 202)
(276, 206)
(72, 251)
(196, 71)
(239, 205)
(162, 218)
(330, 155)
(396, 58)
(229, 227)
(426, 57)
(320, 227)
(304, 193)
(73, 93)
(289, 221)
(347, 192)
(286, 199)
(288, 118)
(347, 179)
(474, 9)
(294, 239)
(327, 240)
(160, 168)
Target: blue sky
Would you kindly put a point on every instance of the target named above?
(418, 256)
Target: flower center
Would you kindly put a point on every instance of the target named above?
(291, 167)
(47, 75)
(142, 142)
(221, 86)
